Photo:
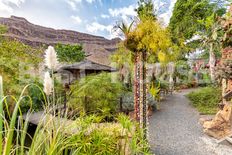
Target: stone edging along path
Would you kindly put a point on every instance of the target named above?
(175, 130)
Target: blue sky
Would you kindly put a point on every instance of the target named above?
(90, 16)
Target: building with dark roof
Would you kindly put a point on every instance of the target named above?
(78, 70)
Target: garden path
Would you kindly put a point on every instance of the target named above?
(174, 129)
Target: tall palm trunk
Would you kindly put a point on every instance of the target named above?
(212, 62)
(140, 91)
(137, 86)
(143, 100)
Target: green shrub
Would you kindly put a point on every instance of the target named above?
(206, 99)
(95, 94)
(70, 53)
(36, 97)
(128, 101)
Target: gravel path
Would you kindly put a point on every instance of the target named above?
(174, 129)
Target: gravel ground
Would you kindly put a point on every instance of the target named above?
(174, 129)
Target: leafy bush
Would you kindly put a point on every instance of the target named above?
(164, 84)
(206, 99)
(3, 29)
(70, 53)
(128, 101)
(15, 63)
(36, 96)
(95, 94)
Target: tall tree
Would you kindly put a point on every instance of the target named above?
(146, 10)
(186, 14)
(191, 17)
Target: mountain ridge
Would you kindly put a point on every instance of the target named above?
(97, 47)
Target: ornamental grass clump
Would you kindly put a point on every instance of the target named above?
(12, 127)
(89, 138)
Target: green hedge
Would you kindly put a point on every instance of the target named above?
(206, 99)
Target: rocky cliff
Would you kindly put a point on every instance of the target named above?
(97, 47)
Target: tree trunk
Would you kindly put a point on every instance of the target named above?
(212, 62)
(136, 86)
(143, 100)
(140, 91)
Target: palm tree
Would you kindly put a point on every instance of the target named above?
(130, 44)
(142, 37)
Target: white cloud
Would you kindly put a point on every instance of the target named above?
(96, 27)
(76, 19)
(75, 3)
(105, 16)
(156, 4)
(90, 1)
(13, 2)
(166, 16)
(7, 6)
(125, 11)
(72, 5)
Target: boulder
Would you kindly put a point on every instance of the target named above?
(220, 126)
